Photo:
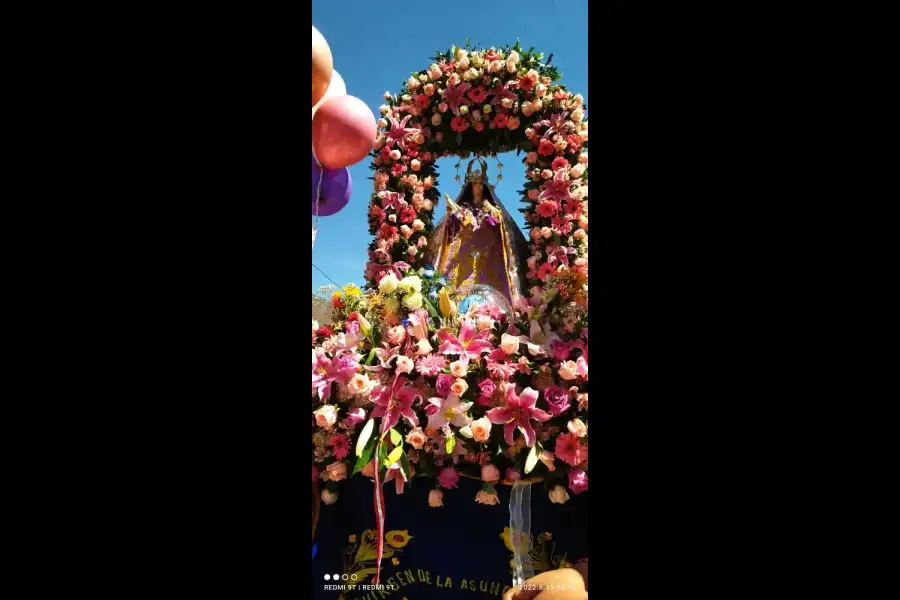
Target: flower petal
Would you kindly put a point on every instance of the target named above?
(499, 416)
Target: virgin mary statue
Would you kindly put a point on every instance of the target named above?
(477, 241)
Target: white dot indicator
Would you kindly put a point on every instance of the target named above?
(336, 577)
(327, 576)
(344, 577)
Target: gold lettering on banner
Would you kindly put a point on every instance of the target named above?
(495, 588)
(390, 581)
(409, 576)
(483, 586)
(448, 583)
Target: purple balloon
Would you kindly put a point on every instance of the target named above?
(336, 188)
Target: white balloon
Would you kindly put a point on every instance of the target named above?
(335, 88)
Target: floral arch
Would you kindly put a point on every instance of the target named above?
(484, 102)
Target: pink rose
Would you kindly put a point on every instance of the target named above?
(509, 343)
(531, 158)
(481, 430)
(547, 174)
(443, 106)
(490, 473)
(355, 417)
(448, 478)
(336, 471)
(396, 335)
(429, 89)
(578, 481)
(568, 370)
(557, 398)
(459, 387)
(415, 165)
(360, 384)
(416, 438)
(487, 387)
(458, 369)
(577, 427)
(434, 498)
(512, 474)
(443, 384)
(533, 194)
(326, 416)
(512, 123)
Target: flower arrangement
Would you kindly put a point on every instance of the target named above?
(403, 376)
(484, 101)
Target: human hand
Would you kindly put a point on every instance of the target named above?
(559, 584)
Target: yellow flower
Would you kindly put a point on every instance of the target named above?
(396, 561)
(352, 290)
(352, 539)
(336, 294)
(448, 308)
(398, 538)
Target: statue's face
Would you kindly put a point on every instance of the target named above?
(477, 190)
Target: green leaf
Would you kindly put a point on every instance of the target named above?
(364, 437)
(404, 464)
(395, 455)
(366, 456)
(431, 310)
(396, 438)
(370, 357)
(450, 444)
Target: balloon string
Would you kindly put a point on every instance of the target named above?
(318, 196)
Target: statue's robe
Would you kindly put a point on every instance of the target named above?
(492, 255)
(459, 550)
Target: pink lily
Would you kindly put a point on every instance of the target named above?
(386, 356)
(518, 412)
(326, 371)
(469, 345)
(395, 401)
(500, 93)
(399, 131)
(454, 95)
(443, 412)
(395, 473)
(558, 188)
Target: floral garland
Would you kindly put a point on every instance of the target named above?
(486, 102)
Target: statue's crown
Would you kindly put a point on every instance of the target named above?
(479, 175)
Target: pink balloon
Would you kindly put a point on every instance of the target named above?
(343, 132)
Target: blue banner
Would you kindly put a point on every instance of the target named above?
(462, 549)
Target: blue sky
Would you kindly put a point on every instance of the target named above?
(377, 45)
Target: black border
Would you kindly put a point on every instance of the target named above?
(721, 135)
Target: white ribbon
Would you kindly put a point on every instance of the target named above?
(520, 531)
